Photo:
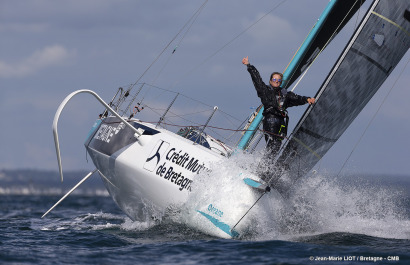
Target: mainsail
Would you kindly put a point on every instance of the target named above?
(377, 46)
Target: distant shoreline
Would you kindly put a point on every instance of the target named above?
(47, 182)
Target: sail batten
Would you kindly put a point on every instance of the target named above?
(370, 56)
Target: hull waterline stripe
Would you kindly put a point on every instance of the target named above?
(221, 225)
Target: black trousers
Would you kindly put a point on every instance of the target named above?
(275, 128)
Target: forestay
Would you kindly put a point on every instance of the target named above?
(377, 46)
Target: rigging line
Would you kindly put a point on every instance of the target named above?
(299, 47)
(188, 114)
(209, 126)
(189, 28)
(229, 115)
(372, 119)
(168, 117)
(229, 120)
(166, 47)
(182, 118)
(187, 97)
(303, 75)
(357, 17)
(227, 44)
(159, 88)
(226, 138)
(219, 110)
(193, 18)
(154, 110)
(260, 197)
(131, 100)
(182, 95)
(324, 46)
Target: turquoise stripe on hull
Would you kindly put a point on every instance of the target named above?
(221, 225)
(92, 130)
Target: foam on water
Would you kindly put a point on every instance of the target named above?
(219, 189)
(129, 225)
(318, 204)
(92, 221)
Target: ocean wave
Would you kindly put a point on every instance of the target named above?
(319, 204)
(53, 191)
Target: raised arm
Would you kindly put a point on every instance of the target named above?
(256, 77)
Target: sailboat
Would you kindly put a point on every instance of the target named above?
(147, 168)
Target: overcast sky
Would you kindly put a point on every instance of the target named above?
(51, 48)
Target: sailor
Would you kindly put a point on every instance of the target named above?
(275, 100)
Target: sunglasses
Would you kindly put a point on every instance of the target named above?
(274, 80)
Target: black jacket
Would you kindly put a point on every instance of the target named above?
(275, 100)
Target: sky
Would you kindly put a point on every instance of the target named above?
(52, 48)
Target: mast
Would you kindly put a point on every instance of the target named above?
(333, 18)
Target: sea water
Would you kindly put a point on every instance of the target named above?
(326, 220)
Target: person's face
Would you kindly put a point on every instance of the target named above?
(276, 80)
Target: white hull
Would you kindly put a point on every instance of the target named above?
(158, 171)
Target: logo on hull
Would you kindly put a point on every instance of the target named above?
(155, 155)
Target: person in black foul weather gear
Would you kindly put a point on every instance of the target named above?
(275, 100)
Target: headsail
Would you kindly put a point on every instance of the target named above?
(377, 46)
(331, 21)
